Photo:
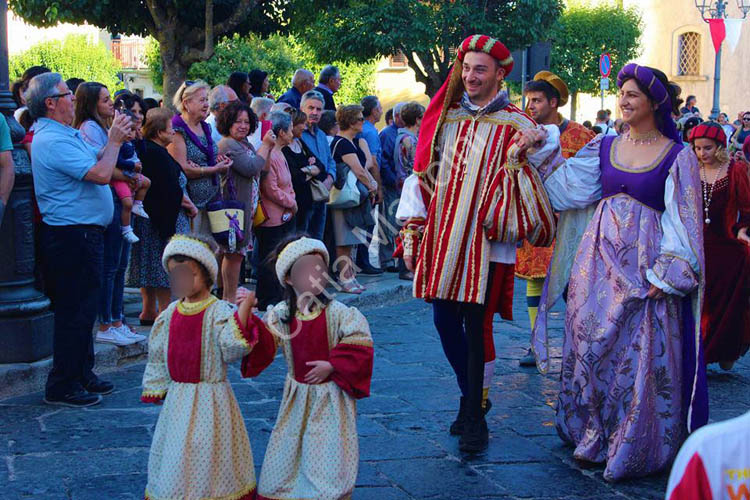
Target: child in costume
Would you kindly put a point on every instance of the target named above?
(200, 448)
(313, 450)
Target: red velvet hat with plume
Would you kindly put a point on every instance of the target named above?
(451, 92)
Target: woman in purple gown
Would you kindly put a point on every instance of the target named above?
(630, 384)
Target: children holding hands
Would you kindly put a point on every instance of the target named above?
(200, 448)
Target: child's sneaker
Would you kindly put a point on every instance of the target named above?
(139, 210)
(129, 235)
(113, 336)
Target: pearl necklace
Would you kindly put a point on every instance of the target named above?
(643, 139)
(709, 194)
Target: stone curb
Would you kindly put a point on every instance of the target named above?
(23, 378)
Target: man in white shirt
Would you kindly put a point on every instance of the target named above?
(602, 121)
(261, 106)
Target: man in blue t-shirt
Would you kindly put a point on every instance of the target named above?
(72, 190)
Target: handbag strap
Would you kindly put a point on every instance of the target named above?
(231, 189)
(335, 147)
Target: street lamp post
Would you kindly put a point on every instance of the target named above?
(717, 9)
(26, 324)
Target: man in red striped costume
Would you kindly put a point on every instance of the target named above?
(459, 244)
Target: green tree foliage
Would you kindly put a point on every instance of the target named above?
(185, 29)
(76, 56)
(582, 34)
(425, 31)
(278, 55)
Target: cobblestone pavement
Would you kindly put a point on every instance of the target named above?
(405, 449)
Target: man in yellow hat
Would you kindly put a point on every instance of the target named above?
(545, 94)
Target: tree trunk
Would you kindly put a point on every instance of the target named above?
(427, 74)
(573, 99)
(174, 71)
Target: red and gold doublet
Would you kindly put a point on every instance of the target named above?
(532, 262)
(454, 256)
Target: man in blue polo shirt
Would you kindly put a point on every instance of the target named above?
(315, 139)
(71, 186)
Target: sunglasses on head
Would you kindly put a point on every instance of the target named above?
(56, 96)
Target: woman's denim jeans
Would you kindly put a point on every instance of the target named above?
(116, 256)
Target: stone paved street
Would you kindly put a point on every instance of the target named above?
(405, 450)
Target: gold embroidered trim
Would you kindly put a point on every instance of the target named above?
(232, 496)
(154, 394)
(237, 331)
(362, 342)
(310, 316)
(643, 170)
(193, 308)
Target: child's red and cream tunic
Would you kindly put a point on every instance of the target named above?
(714, 463)
(200, 448)
(313, 450)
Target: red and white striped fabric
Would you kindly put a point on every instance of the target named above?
(714, 463)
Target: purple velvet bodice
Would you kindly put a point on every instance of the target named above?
(647, 186)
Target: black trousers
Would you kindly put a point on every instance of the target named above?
(269, 291)
(73, 257)
(461, 328)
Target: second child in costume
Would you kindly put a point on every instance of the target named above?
(725, 320)
(313, 451)
(200, 449)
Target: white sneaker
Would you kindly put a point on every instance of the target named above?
(139, 210)
(113, 336)
(128, 333)
(130, 236)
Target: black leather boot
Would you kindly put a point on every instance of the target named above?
(457, 427)
(475, 436)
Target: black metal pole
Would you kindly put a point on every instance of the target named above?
(26, 324)
(716, 108)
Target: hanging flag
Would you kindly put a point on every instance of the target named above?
(734, 30)
(718, 32)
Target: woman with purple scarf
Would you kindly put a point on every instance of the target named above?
(631, 384)
(195, 151)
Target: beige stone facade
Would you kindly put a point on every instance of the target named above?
(670, 29)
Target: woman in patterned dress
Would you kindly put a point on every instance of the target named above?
(631, 385)
(168, 206)
(195, 151)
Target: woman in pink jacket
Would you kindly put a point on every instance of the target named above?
(279, 206)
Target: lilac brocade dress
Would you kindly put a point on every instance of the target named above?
(625, 392)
